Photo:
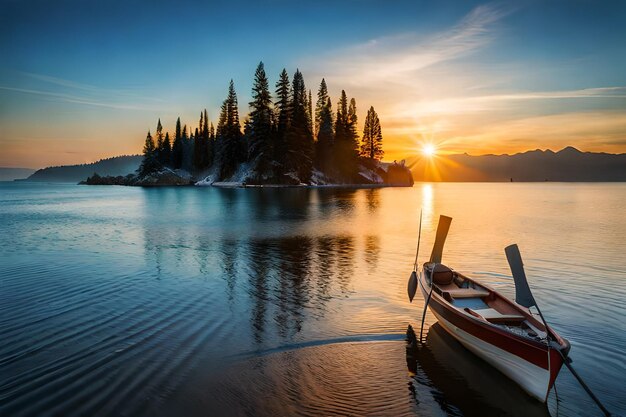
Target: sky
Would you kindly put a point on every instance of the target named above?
(82, 80)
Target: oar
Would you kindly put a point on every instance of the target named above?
(412, 284)
(432, 273)
(442, 232)
(524, 296)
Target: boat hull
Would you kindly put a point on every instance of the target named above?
(533, 379)
(532, 366)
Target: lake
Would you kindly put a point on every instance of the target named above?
(204, 301)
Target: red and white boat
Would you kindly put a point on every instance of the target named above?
(502, 332)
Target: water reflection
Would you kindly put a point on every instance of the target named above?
(279, 276)
(463, 383)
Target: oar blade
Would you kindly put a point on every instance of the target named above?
(523, 295)
(412, 285)
(440, 239)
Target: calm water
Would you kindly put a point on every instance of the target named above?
(199, 301)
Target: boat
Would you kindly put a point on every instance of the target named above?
(503, 332)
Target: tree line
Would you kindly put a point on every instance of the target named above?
(283, 139)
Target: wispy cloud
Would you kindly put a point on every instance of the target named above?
(393, 58)
(67, 98)
(440, 88)
(69, 91)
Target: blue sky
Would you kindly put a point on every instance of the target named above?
(82, 80)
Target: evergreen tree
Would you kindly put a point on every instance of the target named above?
(372, 141)
(149, 162)
(177, 147)
(148, 146)
(299, 135)
(341, 121)
(353, 136)
(322, 99)
(212, 145)
(207, 157)
(199, 146)
(187, 141)
(229, 138)
(159, 141)
(166, 152)
(260, 126)
(283, 108)
(310, 113)
(345, 150)
(325, 137)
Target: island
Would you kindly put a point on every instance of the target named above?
(285, 141)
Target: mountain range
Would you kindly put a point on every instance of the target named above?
(11, 174)
(119, 165)
(568, 164)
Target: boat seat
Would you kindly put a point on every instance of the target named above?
(494, 316)
(467, 293)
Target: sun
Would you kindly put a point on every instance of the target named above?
(429, 150)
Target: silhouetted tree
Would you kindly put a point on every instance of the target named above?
(299, 135)
(200, 151)
(345, 149)
(159, 139)
(372, 141)
(322, 99)
(309, 114)
(149, 162)
(283, 108)
(325, 137)
(187, 164)
(166, 151)
(229, 135)
(260, 129)
(177, 147)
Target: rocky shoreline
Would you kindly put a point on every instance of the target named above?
(374, 175)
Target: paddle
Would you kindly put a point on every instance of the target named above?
(442, 232)
(524, 296)
(412, 284)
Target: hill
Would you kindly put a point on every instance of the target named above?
(568, 164)
(119, 165)
(10, 174)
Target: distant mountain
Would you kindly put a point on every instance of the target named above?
(10, 174)
(119, 165)
(568, 164)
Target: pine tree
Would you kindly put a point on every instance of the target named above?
(148, 146)
(345, 150)
(198, 146)
(187, 141)
(325, 137)
(166, 153)
(341, 121)
(177, 147)
(260, 126)
(310, 113)
(299, 136)
(322, 99)
(207, 149)
(159, 141)
(283, 108)
(229, 139)
(372, 141)
(149, 162)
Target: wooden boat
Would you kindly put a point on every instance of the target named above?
(504, 333)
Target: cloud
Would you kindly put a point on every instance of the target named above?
(393, 58)
(592, 131)
(446, 88)
(68, 91)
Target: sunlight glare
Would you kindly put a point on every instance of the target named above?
(429, 149)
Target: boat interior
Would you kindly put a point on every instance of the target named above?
(484, 304)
